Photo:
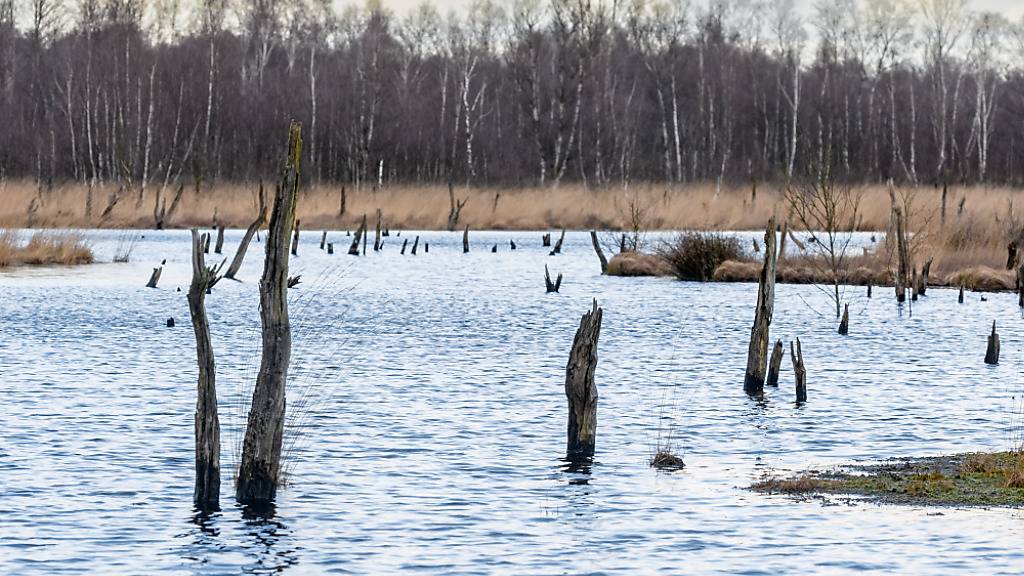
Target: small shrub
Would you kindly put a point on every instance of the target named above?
(696, 256)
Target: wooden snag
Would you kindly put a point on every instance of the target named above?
(260, 471)
(154, 278)
(926, 271)
(558, 245)
(960, 299)
(426, 247)
(869, 290)
(546, 240)
(903, 270)
(913, 285)
(323, 240)
(261, 219)
(622, 244)
(465, 240)
(775, 365)
(1020, 285)
(757, 353)
(206, 495)
(797, 356)
(415, 245)
(219, 246)
(206, 243)
(405, 242)
(353, 250)
(295, 239)
(294, 281)
(170, 322)
(494, 249)
(600, 253)
(376, 234)
(1011, 255)
(512, 244)
(580, 388)
(844, 325)
(551, 286)
(992, 353)
(330, 247)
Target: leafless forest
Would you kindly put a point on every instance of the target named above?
(527, 93)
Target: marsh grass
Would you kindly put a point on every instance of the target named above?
(43, 249)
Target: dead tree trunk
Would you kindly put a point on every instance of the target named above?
(913, 285)
(600, 253)
(323, 240)
(1020, 285)
(260, 470)
(465, 240)
(757, 354)
(1011, 255)
(376, 234)
(353, 250)
(415, 245)
(330, 247)
(206, 243)
(207, 424)
(546, 240)
(219, 247)
(844, 325)
(992, 353)
(512, 244)
(295, 239)
(551, 286)
(456, 208)
(558, 245)
(775, 365)
(926, 272)
(580, 388)
(960, 299)
(903, 267)
(154, 278)
(797, 355)
(236, 263)
(404, 244)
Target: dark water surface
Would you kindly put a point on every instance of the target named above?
(428, 420)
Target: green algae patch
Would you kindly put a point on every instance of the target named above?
(977, 479)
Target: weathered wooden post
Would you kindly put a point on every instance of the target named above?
(903, 270)
(551, 286)
(426, 247)
(913, 285)
(376, 233)
(844, 325)
(353, 250)
(494, 249)
(775, 365)
(219, 247)
(960, 299)
(206, 243)
(992, 353)
(465, 240)
(154, 278)
(926, 272)
(405, 242)
(622, 244)
(512, 244)
(558, 245)
(330, 247)
(206, 495)
(415, 245)
(869, 290)
(600, 253)
(261, 219)
(546, 240)
(782, 243)
(757, 354)
(323, 240)
(580, 388)
(260, 471)
(295, 239)
(799, 371)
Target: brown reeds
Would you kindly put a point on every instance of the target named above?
(44, 248)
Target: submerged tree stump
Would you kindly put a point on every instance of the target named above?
(869, 290)
(844, 325)
(323, 239)
(353, 250)
(903, 256)
(512, 244)
(757, 354)
(546, 240)
(154, 278)
(376, 233)
(206, 495)
(1020, 285)
(260, 471)
(926, 271)
(405, 242)
(913, 285)
(465, 240)
(494, 249)
(261, 218)
(580, 388)
(992, 353)
(960, 299)
(551, 286)
(330, 247)
(775, 365)
(558, 245)
(415, 245)
(295, 239)
(600, 253)
(797, 356)
(219, 246)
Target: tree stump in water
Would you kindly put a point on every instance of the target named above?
(260, 471)
(903, 270)
(757, 354)
(376, 234)
(353, 250)
(170, 322)
(869, 290)
(415, 245)
(797, 356)
(844, 325)
(775, 365)
(154, 278)
(465, 240)
(251, 231)
(494, 249)
(426, 247)
(960, 299)
(926, 271)
(323, 240)
(206, 495)
(512, 244)
(219, 247)
(551, 286)
(1020, 285)
(622, 244)
(580, 388)
(295, 239)
(405, 242)
(558, 245)
(330, 247)
(992, 353)
(546, 240)
(600, 253)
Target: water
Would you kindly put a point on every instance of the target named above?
(429, 393)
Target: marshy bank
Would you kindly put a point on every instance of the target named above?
(43, 248)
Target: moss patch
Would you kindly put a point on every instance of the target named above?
(981, 479)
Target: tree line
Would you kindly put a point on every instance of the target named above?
(523, 93)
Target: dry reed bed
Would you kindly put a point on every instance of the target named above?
(43, 248)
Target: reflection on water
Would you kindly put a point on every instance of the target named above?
(429, 395)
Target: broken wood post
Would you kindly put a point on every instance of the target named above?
(366, 232)
(260, 471)
(757, 354)
(376, 234)
(992, 353)
(869, 290)
(405, 243)
(913, 285)
(415, 245)
(546, 240)
(206, 495)
(580, 388)
(558, 245)
(926, 271)
(960, 299)
(206, 243)
(323, 239)
(154, 278)
(465, 240)
(330, 247)
(219, 247)
(353, 250)
(295, 239)
(775, 365)
(799, 371)
(170, 322)
(600, 253)
(261, 218)
(903, 268)
(844, 325)
(426, 247)
(551, 286)
(782, 243)
(494, 249)
(512, 244)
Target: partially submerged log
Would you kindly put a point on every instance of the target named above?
(797, 356)
(551, 286)
(992, 353)
(353, 250)
(580, 388)
(260, 471)
(600, 253)
(219, 247)
(844, 325)
(775, 365)
(757, 354)
(206, 495)
(261, 219)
